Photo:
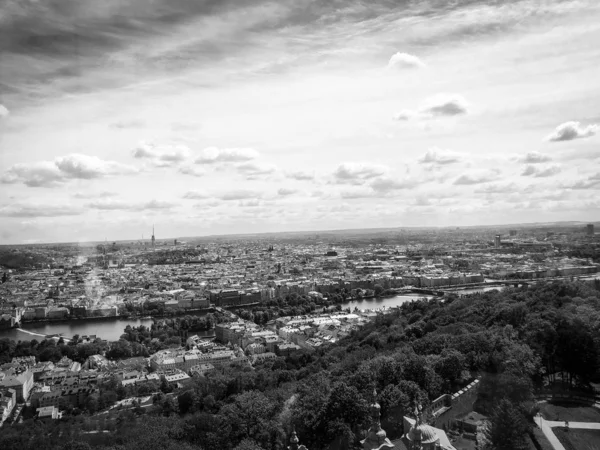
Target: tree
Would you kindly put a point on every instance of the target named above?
(507, 428)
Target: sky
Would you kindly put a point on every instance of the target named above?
(206, 117)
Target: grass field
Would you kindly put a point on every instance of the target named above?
(570, 412)
(578, 439)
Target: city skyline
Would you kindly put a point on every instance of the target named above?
(215, 118)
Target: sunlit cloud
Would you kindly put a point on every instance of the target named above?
(192, 171)
(357, 173)
(569, 131)
(404, 60)
(212, 155)
(39, 210)
(541, 172)
(476, 177)
(62, 169)
(162, 155)
(441, 105)
(441, 157)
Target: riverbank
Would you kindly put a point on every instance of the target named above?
(70, 319)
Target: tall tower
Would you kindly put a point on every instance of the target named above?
(153, 239)
(589, 229)
(497, 241)
(376, 437)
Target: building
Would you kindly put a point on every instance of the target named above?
(8, 400)
(497, 242)
(48, 412)
(376, 436)
(420, 436)
(19, 380)
(513, 233)
(589, 229)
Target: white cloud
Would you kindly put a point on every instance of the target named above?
(284, 192)
(252, 203)
(211, 155)
(89, 167)
(104, 194)
(357, 173)
(541, 172)
(37, 174)
(3, 111)
(441, 105)
(117, 205)
(162, 155)
(534, 158)
(128, 124)
(193, 171)
(498, 189)
(477, 177)
(39, 211)
(572, 130)
(301, 176)
(404, 60)
(252, 169)
(583, 184)
(196, 195)
(240, 195)
(438, 156)
(389, 184)
(357, 192)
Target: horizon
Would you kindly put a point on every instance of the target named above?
(228, 118)
(517, 226)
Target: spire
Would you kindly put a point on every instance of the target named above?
(376, 437)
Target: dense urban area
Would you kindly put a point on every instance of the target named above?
(452, 338)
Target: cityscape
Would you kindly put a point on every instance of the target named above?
(299, 225)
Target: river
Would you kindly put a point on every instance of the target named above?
(109, 329)
(112, 329)
(377, 303)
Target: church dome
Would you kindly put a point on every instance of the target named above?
(422, 433)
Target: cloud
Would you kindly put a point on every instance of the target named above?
(301, 176)
(360, 192)
(89, 167)
(196, 195)
(389, 184)
(497, 189)
(252, 203)
(117, 205)
(162, 155)
(39, 211)
(285, 192)
(538, 172)
(3, 111)
(193, 171)
(583, 184)
(212, 155)
(252, 169)
(239, 195)
(357, 173)
(437, 156)
(478, 177)
(128, 124)
(441, 105)
(37, 174)
(104, 194)
(572, 130)
(63, 168)
(404, 60)
(534, 158)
